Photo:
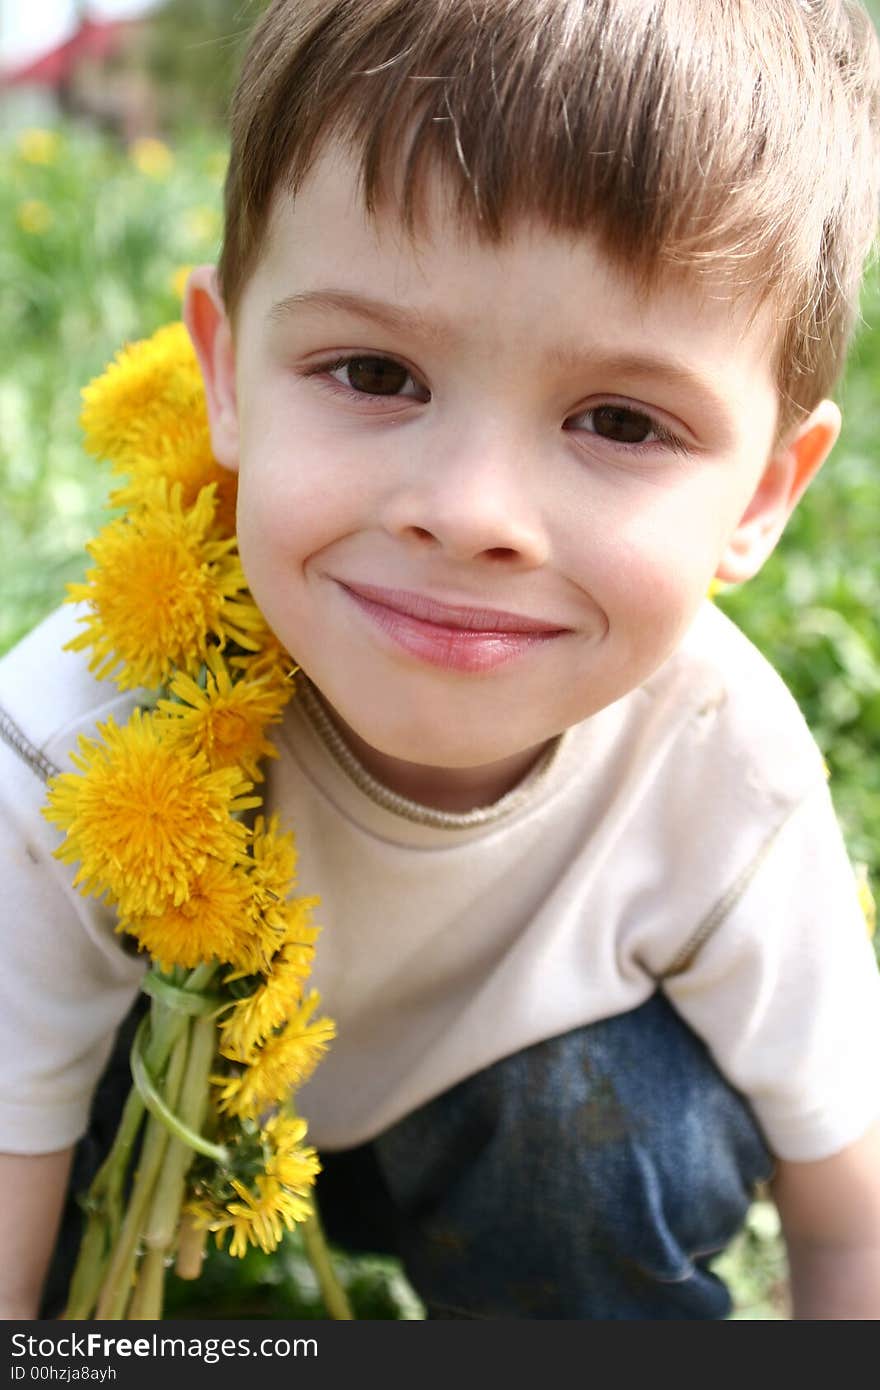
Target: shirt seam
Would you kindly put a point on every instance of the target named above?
(15, 738)
(722, 908)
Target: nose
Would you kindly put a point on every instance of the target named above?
(475, 499)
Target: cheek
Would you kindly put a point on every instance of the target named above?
(289, 511)
(648, 570)
(646, 554)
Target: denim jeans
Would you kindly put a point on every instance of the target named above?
(590, 1176)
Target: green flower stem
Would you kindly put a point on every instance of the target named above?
(94, 1251)
(173, 1122)
(118, 1279)
(181, 995)
(161, 1227)
(334, 1296)
(146, 1300)
(178, 997)
(104, 1201)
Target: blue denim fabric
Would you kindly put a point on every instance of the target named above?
(590, 1176)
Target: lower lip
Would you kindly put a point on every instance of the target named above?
(457, 649)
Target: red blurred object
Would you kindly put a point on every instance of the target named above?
(94, 39)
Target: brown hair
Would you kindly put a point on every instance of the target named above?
(739, 135)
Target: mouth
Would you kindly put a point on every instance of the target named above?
(460, 617)
(456, 636)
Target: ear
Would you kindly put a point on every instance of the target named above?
(211, 332)
(789, 471)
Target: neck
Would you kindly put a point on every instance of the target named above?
(456, 789)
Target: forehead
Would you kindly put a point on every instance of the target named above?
(556, 290)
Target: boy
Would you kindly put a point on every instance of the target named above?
(524, 327)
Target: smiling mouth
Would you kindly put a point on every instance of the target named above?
(456, 637)
(455, 617)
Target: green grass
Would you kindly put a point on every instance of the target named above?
(283, 1285)
(88, 261)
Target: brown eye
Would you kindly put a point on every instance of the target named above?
(377, 376)
(622, 426)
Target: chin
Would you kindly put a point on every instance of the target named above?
(438, 742)
(436, 747)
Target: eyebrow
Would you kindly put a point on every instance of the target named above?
(364, 306)
(656, 368)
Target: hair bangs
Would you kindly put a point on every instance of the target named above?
(731, 139)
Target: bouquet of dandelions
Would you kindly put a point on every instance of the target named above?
(161, 817)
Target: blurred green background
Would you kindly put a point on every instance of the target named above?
(109, 190)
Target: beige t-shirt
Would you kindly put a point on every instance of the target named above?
(684, 835)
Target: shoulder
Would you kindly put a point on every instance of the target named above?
(727, 765)
(741, 728)
(48, 695)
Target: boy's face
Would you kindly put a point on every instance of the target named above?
(435, 436)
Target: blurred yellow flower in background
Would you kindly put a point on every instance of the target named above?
(202, 223)
(179, 279)
(37, 146)
(33, 216)
(216, 164)
(866, 898)
(151, 157)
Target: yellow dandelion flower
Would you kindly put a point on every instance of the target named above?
(263, 942)
(148, 388)
(180, 453)
(160, 591)
(33, 216)
(274, 857)
(271, 662)
(142, 819)
(37, 146)
(151, 157)
(259, 1217)
(255, 1017)
(226, 720)
(299, 932)
(273, 875)
(295, 1165)
(715, 587)
(279, 922)
(212, 920)
(281, 1065)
